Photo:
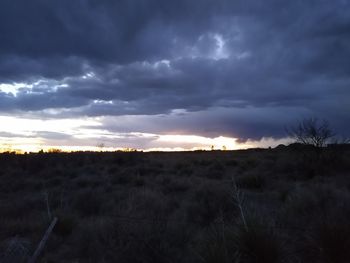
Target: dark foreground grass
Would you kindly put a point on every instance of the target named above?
(284, 206)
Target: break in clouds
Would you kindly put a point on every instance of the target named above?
(241, 69)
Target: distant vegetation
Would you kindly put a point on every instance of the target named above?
(312, 131)
(221, 206)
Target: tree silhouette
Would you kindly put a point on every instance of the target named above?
(312, 131)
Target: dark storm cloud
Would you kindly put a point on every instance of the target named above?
(100, 30)
(244, 123)
(15, 68)
(242, 68)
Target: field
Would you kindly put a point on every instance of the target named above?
(286, 204)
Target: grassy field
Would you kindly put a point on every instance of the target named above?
(275, 205)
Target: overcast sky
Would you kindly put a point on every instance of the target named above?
(129, 73)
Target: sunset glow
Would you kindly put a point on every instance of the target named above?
(31, 135)
(28, 135)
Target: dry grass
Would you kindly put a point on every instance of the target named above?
(179, 207)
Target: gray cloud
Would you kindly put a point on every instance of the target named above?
(241, 68)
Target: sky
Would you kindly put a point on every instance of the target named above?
(170, 75)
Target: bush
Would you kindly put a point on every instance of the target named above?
(123, 178)
(215, 171)
(248, 164)
(312, 132)
(146, 204)
(152, 241)
(329, 243)
(183, 169)
(217, 245)
(232, 163)
(93, 241)
(88, 203)
(174, 185)
(254, 182)
(244, 244)
(209, 202)
(65, 225)
(259, 243)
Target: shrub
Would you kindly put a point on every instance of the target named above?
(311, 131)
(210, 201)
(139, 181)
(328, 243)
(248, 164)
(204, 162)
(183, 169)
(250, 243)
(93, 241)
(171, 185)
(88, 203)
(215, 170)
(217, 246)
(232, 163)
(255, 182)
(149, 170)
(124, 177)
(259, 243)
(65, 225)
(147, 204)
(153, 241)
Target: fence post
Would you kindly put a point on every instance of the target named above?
(43, 241)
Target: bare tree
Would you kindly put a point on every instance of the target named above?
(312, 131)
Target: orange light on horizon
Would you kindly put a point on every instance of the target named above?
(88, 134)
(162, 143)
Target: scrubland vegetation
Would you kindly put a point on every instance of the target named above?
(287, 204)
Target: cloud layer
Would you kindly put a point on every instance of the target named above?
(243, 69)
